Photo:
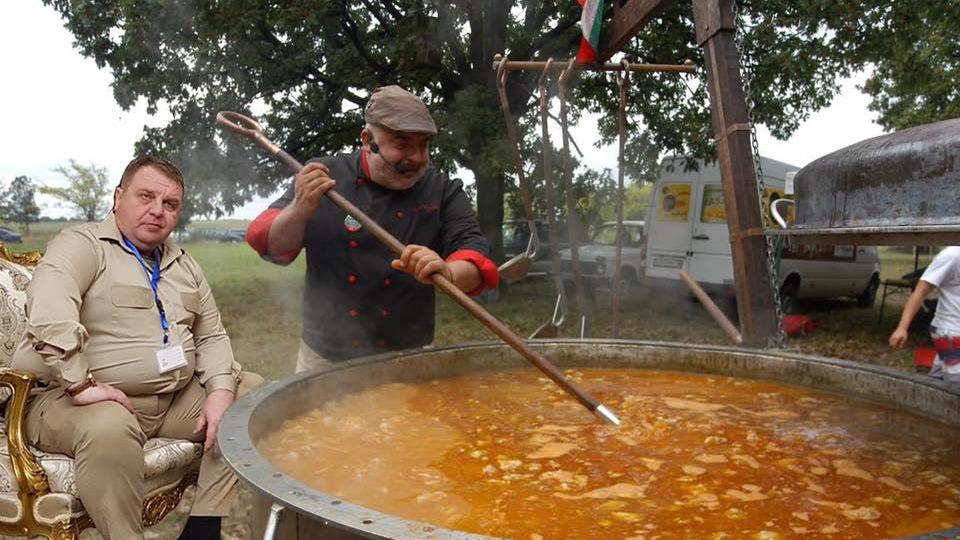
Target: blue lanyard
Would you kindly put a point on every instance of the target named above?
(154, 278)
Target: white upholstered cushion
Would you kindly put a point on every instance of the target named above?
(166, 461)
(13, 296)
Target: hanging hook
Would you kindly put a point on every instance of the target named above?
(568, 195)
(624, 74)
(501, 70)
(560, 309)
(567, 72)
(542, 83)
(623, 77)
(533, 245)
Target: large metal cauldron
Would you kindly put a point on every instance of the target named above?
(895, 189)
(319, 515)
(905, 178)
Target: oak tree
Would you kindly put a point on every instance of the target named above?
(306, 70)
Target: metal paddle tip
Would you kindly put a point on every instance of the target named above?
(603, 412)
(238, 123)
(248, 127)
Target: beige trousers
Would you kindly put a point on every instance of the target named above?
(106, 442)
(308, 359)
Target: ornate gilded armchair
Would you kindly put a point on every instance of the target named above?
(38, 494)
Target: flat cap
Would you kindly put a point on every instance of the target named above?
(395, 108)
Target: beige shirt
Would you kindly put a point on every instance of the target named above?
(90, 297)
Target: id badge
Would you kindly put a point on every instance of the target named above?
(171, 358)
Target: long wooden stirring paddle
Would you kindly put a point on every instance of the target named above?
(247, 127)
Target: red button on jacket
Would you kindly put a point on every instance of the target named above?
(351, 279)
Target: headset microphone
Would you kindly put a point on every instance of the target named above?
(400, 167)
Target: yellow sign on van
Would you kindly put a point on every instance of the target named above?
(674, 202)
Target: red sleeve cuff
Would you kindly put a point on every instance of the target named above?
(259, 231)
(488, 270)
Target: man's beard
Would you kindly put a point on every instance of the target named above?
(387, 176)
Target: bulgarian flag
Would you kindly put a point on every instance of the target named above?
(590, 23)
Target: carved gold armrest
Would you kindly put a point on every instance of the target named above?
(29, 259)
(30, 476)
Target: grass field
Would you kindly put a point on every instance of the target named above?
(260, 305)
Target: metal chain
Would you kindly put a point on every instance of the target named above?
(746, 75)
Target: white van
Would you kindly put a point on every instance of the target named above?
(686, 229)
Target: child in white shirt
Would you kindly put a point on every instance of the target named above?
(944, 275)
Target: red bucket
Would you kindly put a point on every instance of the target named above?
(924, 356)
(797, 325)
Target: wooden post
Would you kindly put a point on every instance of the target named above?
(715, 27)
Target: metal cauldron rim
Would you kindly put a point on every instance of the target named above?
(245, 460)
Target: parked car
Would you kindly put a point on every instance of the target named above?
(233, 235)
(516, 236)
(597, 258)
(10, 237)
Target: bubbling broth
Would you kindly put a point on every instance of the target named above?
(509, 454)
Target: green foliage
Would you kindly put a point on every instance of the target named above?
(310, 66)
(18, 203)
(635, 202)
(795, 51)
(916, 67)
(87, 191)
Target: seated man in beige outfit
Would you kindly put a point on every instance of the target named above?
(124, 331)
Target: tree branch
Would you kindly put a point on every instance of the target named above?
(533, 19)
(445, 22)
(569, 137)
(392, 8)
(552, 34)
(378, 14)
(350, 30)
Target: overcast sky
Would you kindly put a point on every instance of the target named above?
(57, 105)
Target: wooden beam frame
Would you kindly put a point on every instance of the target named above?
(628, 19)
(715, 26)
